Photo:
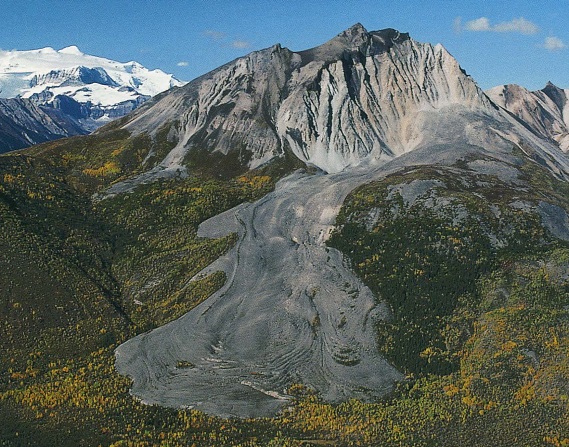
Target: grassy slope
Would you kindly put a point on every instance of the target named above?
(481, 328)
(73, 270)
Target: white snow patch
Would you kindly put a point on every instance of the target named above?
(17, 68)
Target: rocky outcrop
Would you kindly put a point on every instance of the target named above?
(546, 111)
(23, 124)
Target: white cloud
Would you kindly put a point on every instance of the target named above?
(519, 25)
(182, 64)
(224, 40)
(481, 24)
(214, 35)
(553, 44)
(240, 44)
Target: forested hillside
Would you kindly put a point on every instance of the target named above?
(478, 291)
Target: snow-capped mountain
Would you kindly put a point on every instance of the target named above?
(92, 90)
(546, 111)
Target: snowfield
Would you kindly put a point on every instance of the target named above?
(17, 69)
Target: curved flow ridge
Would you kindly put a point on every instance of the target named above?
(291, 311)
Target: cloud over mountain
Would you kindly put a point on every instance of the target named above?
(516, 25)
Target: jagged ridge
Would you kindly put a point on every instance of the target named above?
(546, 111)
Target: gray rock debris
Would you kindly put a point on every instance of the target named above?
(290, 311)
(363, 106)
(555, 219)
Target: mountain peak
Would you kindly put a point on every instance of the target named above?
(354, 31)
(559, 97)
(73, 49)
(45, 50)
(542, 110)
(388, 37)
(550, 86)
(354, 39)
(318, 100)
(358, 35)
(89, 90)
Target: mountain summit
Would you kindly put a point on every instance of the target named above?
(355, 39)
(360, 96)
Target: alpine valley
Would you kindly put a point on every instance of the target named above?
(347, 245)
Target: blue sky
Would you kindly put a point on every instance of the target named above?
(497, 42)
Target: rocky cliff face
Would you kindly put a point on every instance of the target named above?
(73, 76)
(361, 95)
(371, 99)
(23, 123)
(545, 111)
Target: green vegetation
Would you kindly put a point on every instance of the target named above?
(478, 292)
(424, 258)
(511, 389)
(96, 161)
(79, 276)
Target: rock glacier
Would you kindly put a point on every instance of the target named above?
(359, 107)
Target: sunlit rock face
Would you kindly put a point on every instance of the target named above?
(362, 95)
(545, 111)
